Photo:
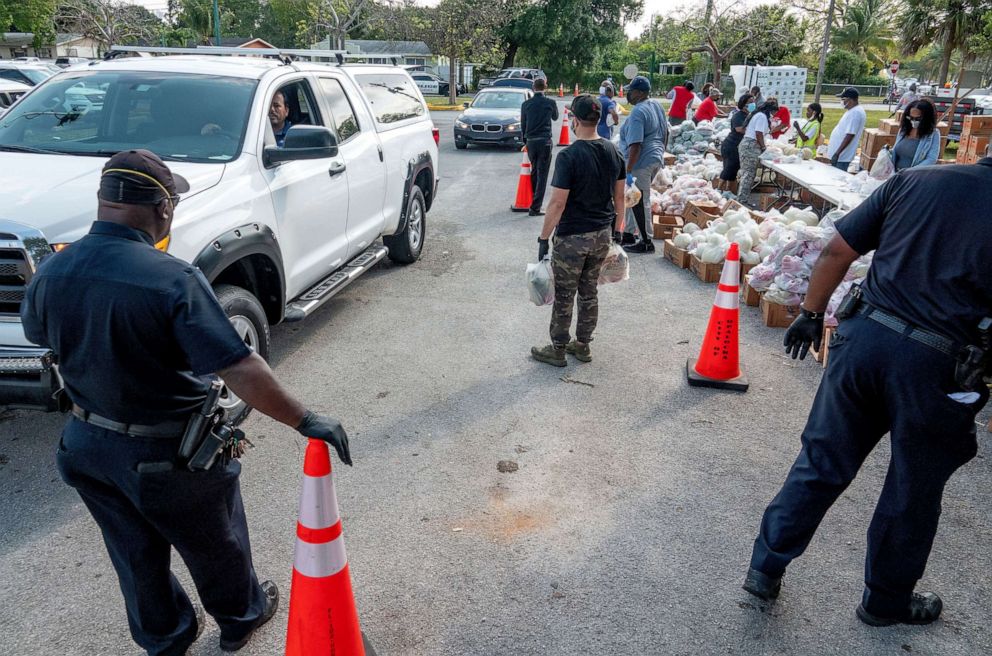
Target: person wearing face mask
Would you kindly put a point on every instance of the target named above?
(643, 137)
(756, 129)
(140, 336)
(608, 110)
(846, 134)
(729, 146)
(780, 120)
(808, 134)
(918, 141)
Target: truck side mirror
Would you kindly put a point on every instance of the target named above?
(303, 142)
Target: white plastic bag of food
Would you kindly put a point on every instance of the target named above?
(541, 282)
(883, 168)
(616, 267)
(631, 194)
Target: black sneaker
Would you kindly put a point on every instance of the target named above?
(923, 608)
(761, 585)
(628, 238)
(271, 604)
(640, 247)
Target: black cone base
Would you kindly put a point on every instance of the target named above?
(369, 649)
(739, 384)
(519, 209)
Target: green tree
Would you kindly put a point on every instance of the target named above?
(843, 67)
(460, 30)
(867, 31)
(110, 22)
(33, 16)
(949, 24)
(787, 48)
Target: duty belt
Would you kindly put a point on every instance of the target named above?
(165, 429)
(931, 339)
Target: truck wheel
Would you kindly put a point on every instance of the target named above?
(248, 318)
(405, 247)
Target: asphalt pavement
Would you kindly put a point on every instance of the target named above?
(626, 528)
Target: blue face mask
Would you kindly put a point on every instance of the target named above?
(751, 107)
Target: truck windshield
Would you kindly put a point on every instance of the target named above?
(195, 118)
(499, 100)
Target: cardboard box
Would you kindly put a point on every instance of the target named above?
(669, 159)
(751, 296)
(889, 126)
(675, 255)
(734, 205)
(746, 269)
(943, 128)
(946, 161)
(666, 226)
(777, 316)
(700, 213)
(765, 202)
(824, 352)
(874, 140)
(977, 123)
(704, 271)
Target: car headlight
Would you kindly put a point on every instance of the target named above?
(461, 124)
(513, 127)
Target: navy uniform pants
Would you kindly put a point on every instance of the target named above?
(877, 382)
(539, 154)
(143, 515)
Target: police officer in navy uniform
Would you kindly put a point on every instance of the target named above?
(138, 335)
(892, 369)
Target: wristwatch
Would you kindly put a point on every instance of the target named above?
(811, 315)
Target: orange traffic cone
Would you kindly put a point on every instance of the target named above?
(525, 193)
(576, 89)
(619, 91)
(322, 614)
(563, 138)
(561, 90)
(718, 364)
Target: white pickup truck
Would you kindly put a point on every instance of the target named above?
(277, 230)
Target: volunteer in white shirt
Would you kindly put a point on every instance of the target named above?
(753, 144)
(844, 139)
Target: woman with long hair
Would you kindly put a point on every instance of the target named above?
(918, 141)
(752, 145)
(728, 149)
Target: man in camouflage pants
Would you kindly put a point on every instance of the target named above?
(586, 200)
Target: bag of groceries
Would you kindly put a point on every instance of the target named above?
(631, 194)
(616, 267)
(541, 282)
(884, 166)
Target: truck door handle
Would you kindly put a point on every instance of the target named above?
(337, 168)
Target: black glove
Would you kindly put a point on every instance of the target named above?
(542, 248)
(617, 237)
(327, 429)
(803, 332)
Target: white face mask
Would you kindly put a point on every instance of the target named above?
(914, 123)
(602, 91)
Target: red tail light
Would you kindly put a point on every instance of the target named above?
(437, 136)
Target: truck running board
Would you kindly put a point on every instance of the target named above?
(324, 290)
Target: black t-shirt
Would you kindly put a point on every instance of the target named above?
(931, 230)
(134, 329)
(589, 170)
(737, 120)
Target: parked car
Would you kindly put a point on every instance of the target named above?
(513, 82)
(29, 73)
(276, 230)
(493, 117)
(430, 84)
(66, 62)
(11, 91)
(528, 73)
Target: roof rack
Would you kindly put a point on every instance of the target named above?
(283, 54)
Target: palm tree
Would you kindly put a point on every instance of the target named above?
(867, 31)
(946, 23)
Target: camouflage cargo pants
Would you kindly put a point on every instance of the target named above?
(576, 261)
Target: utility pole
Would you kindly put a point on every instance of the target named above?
(217, 22)
(823, 52)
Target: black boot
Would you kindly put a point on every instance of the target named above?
(640, 247)
(923, 608)
(628, 238)
(761, 585)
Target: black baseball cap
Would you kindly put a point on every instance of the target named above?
(140, 177)
(849, 92)
(586, 108)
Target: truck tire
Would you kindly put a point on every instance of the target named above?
(405, 248)
(248, 318)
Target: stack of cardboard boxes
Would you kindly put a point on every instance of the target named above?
(875, 139)
(976, 131)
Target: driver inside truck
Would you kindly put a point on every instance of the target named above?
(279, 117)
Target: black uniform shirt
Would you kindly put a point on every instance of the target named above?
(589, 169)
(133, 328)
(536, 116)
(931, 229)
